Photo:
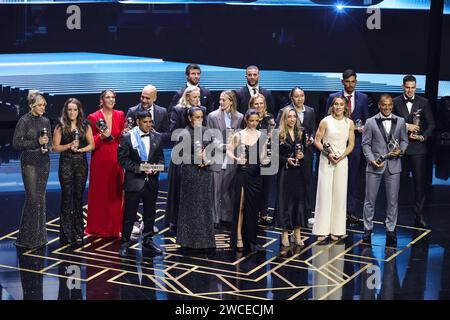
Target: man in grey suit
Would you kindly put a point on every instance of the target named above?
(383, 161)
(227, 120)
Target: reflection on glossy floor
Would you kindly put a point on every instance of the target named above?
(347, 269)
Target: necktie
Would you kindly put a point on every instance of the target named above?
(254, 91)
(349, 104)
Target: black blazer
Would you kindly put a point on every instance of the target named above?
(205, 99)
(160, 121)
(129, 160)
(427, 123)
(243, 97)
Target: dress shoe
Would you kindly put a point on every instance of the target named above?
(149, 245)
(367, 238)
(391, 239)
(254, 247)
(420, 221)
(124, 246)
(351, 219)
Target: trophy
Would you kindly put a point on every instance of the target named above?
(392, 145)
(243, 154)
(130, 123)
(416, 119)
(298, 153)
(101, 125)
(329, 149)
(44, 133)
(198, 153)
(76, 137)
(358, 124)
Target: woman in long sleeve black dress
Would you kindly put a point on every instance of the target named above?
(291, 213)
(248, 183)
(179, 120)
(73, 138)
(32, 136)
(195, 228)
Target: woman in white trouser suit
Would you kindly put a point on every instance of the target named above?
(336, 131)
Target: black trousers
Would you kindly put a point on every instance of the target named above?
(417, 164)
(148, 194)
(354, 162)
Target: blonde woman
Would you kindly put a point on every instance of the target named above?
(335, 140)
(291, 213)
(32, 136)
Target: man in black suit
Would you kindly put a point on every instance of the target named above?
(358, 109)
(159, 114)
(252, 88)
(420, 125)
(193, 72)
(139, 146)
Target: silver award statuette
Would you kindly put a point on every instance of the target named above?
(329, 149)
(243, 154)
(198, 150)
(416, 119)
(76, 137)
(358, 124)
(44, 133)
(130, 123)
(298, 153)
(392, 145)
(102, 126)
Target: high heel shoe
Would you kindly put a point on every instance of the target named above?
(239, 245)
(285, 241)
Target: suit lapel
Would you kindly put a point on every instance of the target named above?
(393, 126)
(152, 144)
(382, 130)
(222, 124)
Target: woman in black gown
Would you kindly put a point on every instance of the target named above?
(291, 213)
(178, 121)
(269, 182)
(251, 153)
(32, 136)
(195, 228)
(73, 138)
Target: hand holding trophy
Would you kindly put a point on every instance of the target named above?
(393, 151)
(103, 128)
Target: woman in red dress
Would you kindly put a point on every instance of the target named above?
(105, 198)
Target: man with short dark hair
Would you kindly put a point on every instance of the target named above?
(420, 125)
(141, 145)
(358, 109)
(384, 142)
(193, 73)
(252, 88)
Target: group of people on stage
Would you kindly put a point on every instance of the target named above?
(222, 165)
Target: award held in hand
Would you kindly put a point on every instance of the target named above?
(392, 146)
(102, 126)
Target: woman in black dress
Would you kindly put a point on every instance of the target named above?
(32, 136)
(179, 120)
(251, 153)
(291, 213)
(195, 228)
(269, 182)
(73, 138)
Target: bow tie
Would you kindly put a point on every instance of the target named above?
(386, 119)
(408, 100)
(145, 135)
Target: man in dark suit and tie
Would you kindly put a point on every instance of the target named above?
(358, 107)
(384, 141)
(159, 114)
(307, 121)
(193, 73)
(420, 125)
(252, 88)
(140, 146)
